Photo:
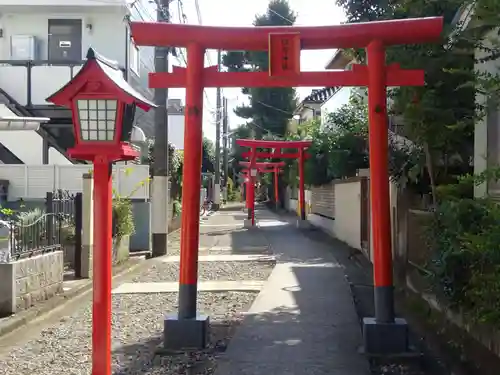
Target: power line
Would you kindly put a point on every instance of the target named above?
(183, 19)
(281, 16)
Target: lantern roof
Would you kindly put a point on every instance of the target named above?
(100, 76)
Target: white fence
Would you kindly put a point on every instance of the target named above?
(34, 181)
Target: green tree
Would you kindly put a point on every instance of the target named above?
(270, 109)
(439, 116)
(208, 161)
(241, 132)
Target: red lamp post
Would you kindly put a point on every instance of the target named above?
(103, 107)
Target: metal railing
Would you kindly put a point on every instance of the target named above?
(39, 231)
(29, 82)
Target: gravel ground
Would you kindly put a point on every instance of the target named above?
(248, 251)
(394, 368)
(208, 271)
(65, 347)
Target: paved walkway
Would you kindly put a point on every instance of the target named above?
(303, 321)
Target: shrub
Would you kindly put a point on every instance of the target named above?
(465, 238)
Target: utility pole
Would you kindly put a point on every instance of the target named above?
(160, 182)
(224, 145)
(218, 116)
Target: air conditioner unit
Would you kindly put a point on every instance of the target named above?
(23, 47)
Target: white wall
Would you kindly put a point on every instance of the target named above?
(347, 223)
(27, 145)
(340, 98)
(108, 37)
(108, 34)
(12, 4)
(176, 131)
(347, 213)
(486, 132)
(34, 181)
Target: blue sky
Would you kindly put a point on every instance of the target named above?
(242, 13)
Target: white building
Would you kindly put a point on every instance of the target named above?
(175, 111)
(42, 46)
(310, 107)
(341, 97)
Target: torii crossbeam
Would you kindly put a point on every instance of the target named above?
(284, 45)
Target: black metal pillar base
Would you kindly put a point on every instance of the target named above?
(180, 333)
(385, 338)
(159, 244)
(215, 206)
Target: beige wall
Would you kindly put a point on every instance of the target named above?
(486, 134)
(348, 213)
(347, 222)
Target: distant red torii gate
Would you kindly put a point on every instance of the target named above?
(274, 155)
(284, 45)
(250, 183)
(254, 144)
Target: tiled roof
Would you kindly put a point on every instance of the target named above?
(320, 95)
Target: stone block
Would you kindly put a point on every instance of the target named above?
(121, 249)
(182, 334)
(303, 224)
(86, 262)
(69, 255)
(7, 289)
(27, 281)
(385, 338)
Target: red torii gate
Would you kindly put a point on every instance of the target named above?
(276, 171)
(278, 146)
(284, 44)
(276, 154)
(251, 183)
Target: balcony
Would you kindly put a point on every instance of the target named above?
(29, 83)
(26, 6)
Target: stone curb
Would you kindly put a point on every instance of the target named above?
(59, 301)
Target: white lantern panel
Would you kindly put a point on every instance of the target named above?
(97, 119)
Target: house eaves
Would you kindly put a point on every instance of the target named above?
(317, 96)
(339, 60)
(460, 22)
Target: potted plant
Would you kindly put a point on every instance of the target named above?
(123, 228)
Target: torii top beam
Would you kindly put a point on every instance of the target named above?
(258, 143)
(265, 164)
(355, 35)
(273, 155)
(276, 169)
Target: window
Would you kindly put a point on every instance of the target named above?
(134, 59)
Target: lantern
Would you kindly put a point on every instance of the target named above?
(103, 107)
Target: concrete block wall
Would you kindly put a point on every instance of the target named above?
(25, 282)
